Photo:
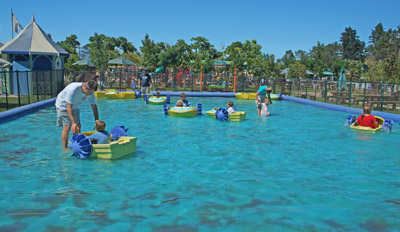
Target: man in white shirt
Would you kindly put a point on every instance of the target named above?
(67, 102)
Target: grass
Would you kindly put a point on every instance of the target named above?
(24, 100)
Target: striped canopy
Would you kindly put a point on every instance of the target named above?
(33, 40)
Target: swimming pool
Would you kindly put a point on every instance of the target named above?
(298, 170)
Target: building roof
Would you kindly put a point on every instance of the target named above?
(33, 40)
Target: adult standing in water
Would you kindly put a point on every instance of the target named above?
(145, 82)
(261, 95)
(68, 100)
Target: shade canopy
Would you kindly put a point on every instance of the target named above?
(342, 84)
(33, 40)
(4, 64)
(327, 73)
(121, 61)
(87, 62)
(286, 72)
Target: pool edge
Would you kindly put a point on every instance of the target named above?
(390, 116)
(24, 110)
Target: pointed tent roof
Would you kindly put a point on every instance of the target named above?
(33, 40)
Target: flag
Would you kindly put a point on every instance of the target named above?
(15, 23)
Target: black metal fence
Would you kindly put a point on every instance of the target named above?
(21, 88)
(18, 88)
(378, 95)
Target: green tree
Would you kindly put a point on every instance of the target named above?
(354, 70)
(318, 64)
(391, 65)
(374, 70)
(236, 55)
(126, 46)
(99, 51)
(253, 57)
(151, 52)
(353, 47)
(301, 55)
(379, 40)
(203, 53)
(297, 70)
(176, 57)
(270, 67)
(71, 45)
(288, 58)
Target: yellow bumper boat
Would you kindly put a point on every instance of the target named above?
(245, 96)
(235, 116)
(157, 101)
(99, 94)
(120, 95)
(115, 149)
(366, 128)
(186, 111)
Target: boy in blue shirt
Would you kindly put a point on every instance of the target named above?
(102, 136)
(184, 100)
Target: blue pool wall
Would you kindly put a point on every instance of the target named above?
(27, 109)
(350, 110)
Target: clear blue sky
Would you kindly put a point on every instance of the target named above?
(276, 25)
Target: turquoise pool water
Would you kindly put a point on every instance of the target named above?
(298, 170)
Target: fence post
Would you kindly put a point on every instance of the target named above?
(28, 86)
(382, 93)
(298, 92)
(365, 92)
(315, 90)
(273, 85)
(337, 91)
(51, 83)
(37, 86)
(351, 85)
(5, 87)
(19, 96)
(326, 90)
(59, 89)
(120, 81)
(243, 82)
(306, 88)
